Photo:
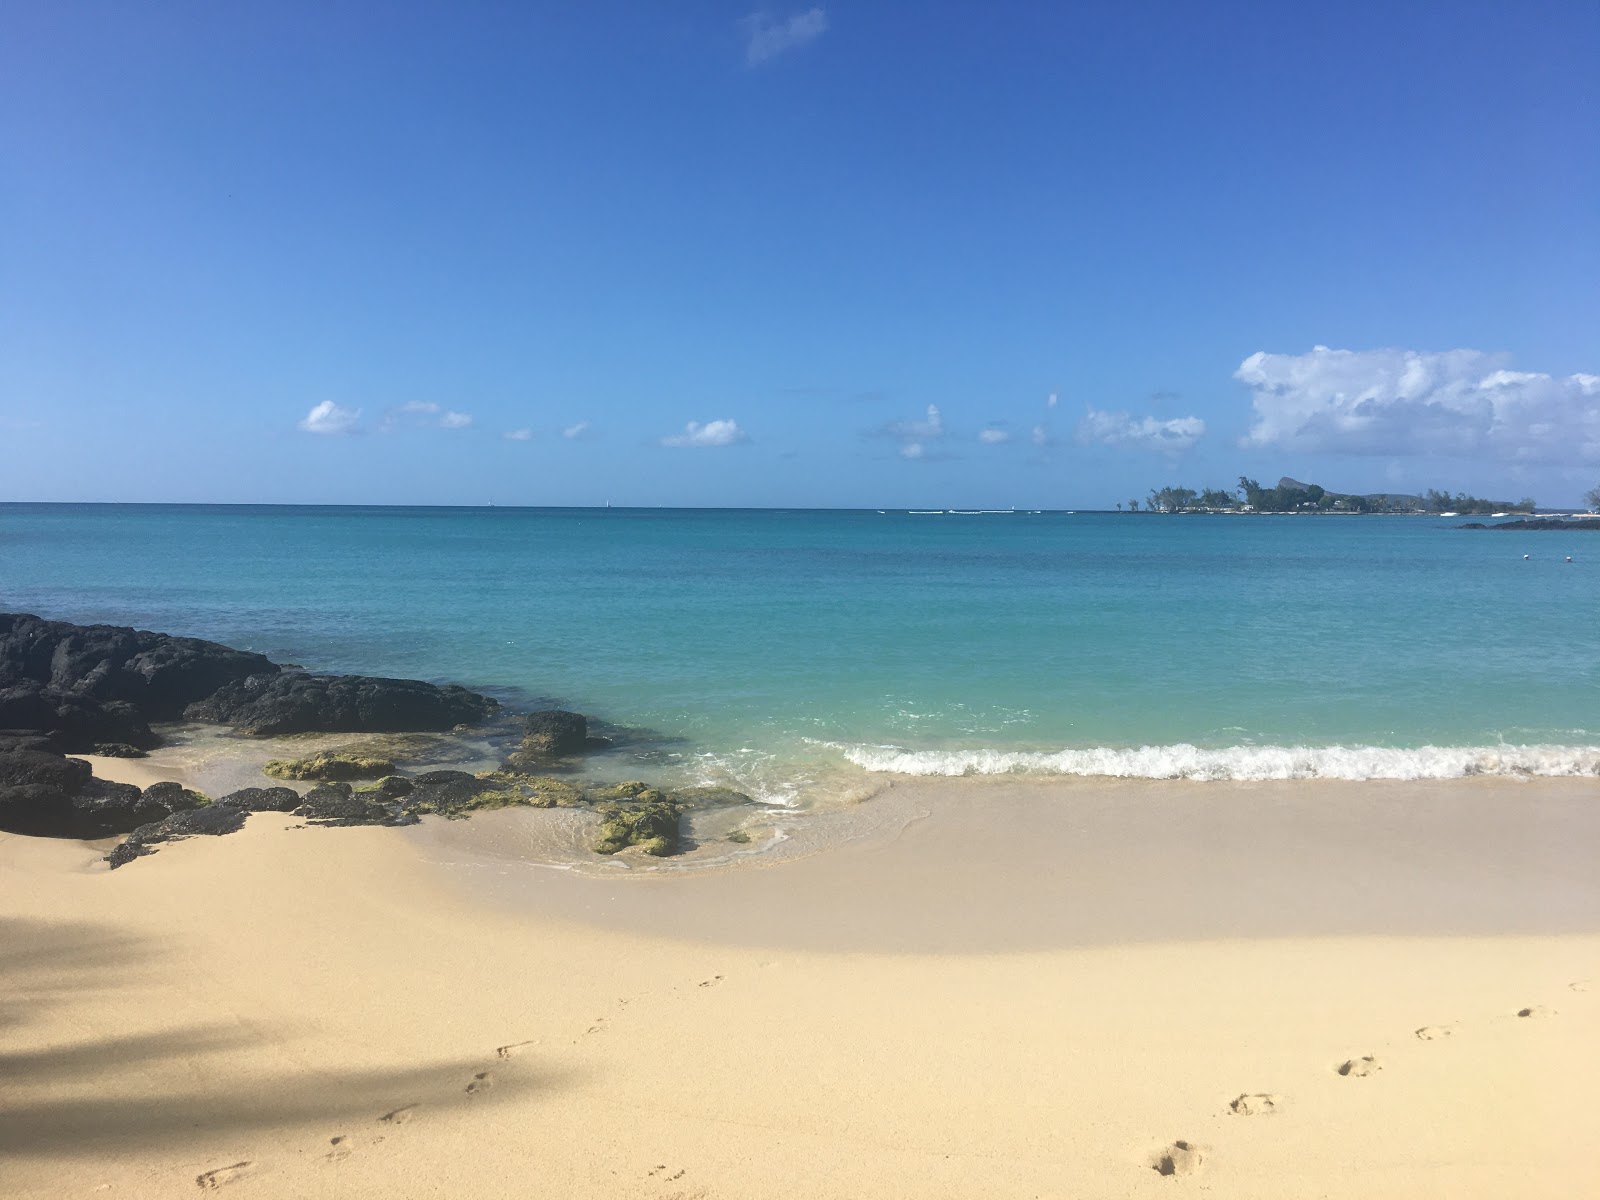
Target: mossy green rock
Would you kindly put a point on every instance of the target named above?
(649, 820)
(710, 797)
(330, 765)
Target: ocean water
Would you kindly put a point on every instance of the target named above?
(802, 654)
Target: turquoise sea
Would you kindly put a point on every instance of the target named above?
(803, 653)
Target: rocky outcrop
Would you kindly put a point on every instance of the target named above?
(1537, 523)
(648, 819)
(49, 795)
(340, 804)
(74, 722)
(155, 673)
(554, 733)
(272, 799)
(289, 702)
(211, 821)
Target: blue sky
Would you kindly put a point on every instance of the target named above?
(846, 254)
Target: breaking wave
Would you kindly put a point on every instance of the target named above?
(1183, 761)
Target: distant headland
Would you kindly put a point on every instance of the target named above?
(1292, 496)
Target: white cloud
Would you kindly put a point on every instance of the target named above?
(993, 437)
(1041, 436)
(1462, 403)
(328, 417)
(1052, 401)
(927, 430)
(574, 432)
(1139, 433)
(417, 412)
(767, 37)
(712, 433)
(913, 450)
(518, 435)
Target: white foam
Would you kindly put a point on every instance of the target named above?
(1183, 761)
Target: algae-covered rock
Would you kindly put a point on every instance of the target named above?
(739, 836)
(649, 820)
(537, 791)
(331, 765)
(393, 786)
(710, 797)
(617, 793)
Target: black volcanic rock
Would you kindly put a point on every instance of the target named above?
(73, 721)
(212, 821)
(339, 804)
(270, 799)
(1536, 523)
(554, 733)
(295, 703)
(155, 673)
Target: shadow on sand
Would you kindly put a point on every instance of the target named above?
(108, 1093)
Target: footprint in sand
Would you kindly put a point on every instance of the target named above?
(481, 1082)
(1360, 1068)
(712, 982)
(221, 1175)
(1255, 1104)
(341, 1148)
(1180, 1158)
(1534, 1010)
(660, 1172)
(514, 1049)
(399, 1116)
(599, 1026)
(1433, 1033)
(1580, 985)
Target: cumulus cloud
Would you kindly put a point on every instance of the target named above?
(573, 432)
(1052, 401)
(455, 420)
(518, 435)
(767, 37)
(328, 417)
(993, 437)
(712, 433)
(1139, 433)
(1463, 403)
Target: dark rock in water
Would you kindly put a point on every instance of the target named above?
(649, 820)
(119, 750)
(447, 793)
(554, 733)
(272, 799)
(155, 673)
(339, 804)
(213, 820)
(710, 797)
(330, 764)
(72, 721)
(1537, 523)
(290, 703)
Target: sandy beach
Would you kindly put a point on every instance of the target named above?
(1009, 990)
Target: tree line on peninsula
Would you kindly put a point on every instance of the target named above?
(1292, 496)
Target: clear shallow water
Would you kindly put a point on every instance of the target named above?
(796, 652)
